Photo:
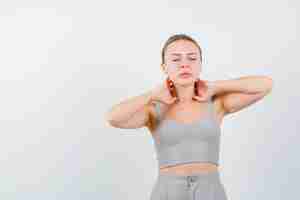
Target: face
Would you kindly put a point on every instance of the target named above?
(182, 56)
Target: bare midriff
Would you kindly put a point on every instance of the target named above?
(188, 168)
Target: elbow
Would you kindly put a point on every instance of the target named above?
(112, 123)
(269, 84)
(109, 119)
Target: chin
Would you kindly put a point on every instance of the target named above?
(188, 81)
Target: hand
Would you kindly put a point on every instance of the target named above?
(162, 93)
(205, 90)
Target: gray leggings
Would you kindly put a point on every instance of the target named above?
(200, 186)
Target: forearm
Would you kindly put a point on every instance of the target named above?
(126, 108)
(246, 84)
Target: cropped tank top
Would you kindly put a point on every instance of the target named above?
(177, 143)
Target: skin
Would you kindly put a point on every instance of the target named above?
(228, 96)
(187, 110)
(188, 60)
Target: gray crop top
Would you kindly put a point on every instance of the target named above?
(177, 143)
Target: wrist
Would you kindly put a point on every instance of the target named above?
(216, 86)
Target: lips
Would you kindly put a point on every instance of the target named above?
(185, 74)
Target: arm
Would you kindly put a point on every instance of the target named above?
(130, 113)
(236, 94)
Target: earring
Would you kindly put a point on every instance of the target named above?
(171, 86)
(170, 82)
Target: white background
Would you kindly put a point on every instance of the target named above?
(63, 64)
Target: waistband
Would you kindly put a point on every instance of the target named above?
(212, 175)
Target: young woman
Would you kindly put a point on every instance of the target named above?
(184, 115)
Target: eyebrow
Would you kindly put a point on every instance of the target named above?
(178, 54)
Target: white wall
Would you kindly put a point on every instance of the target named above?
(64, 63)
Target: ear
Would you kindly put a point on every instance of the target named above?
(163, 67)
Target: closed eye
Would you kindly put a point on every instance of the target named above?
(190, 59)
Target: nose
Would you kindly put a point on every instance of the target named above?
(183, 66)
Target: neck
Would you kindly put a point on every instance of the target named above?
(185, 93)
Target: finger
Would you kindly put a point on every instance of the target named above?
(201, 89)
(199, 98)
(174, 99)
(203, 98)
(171, 101)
